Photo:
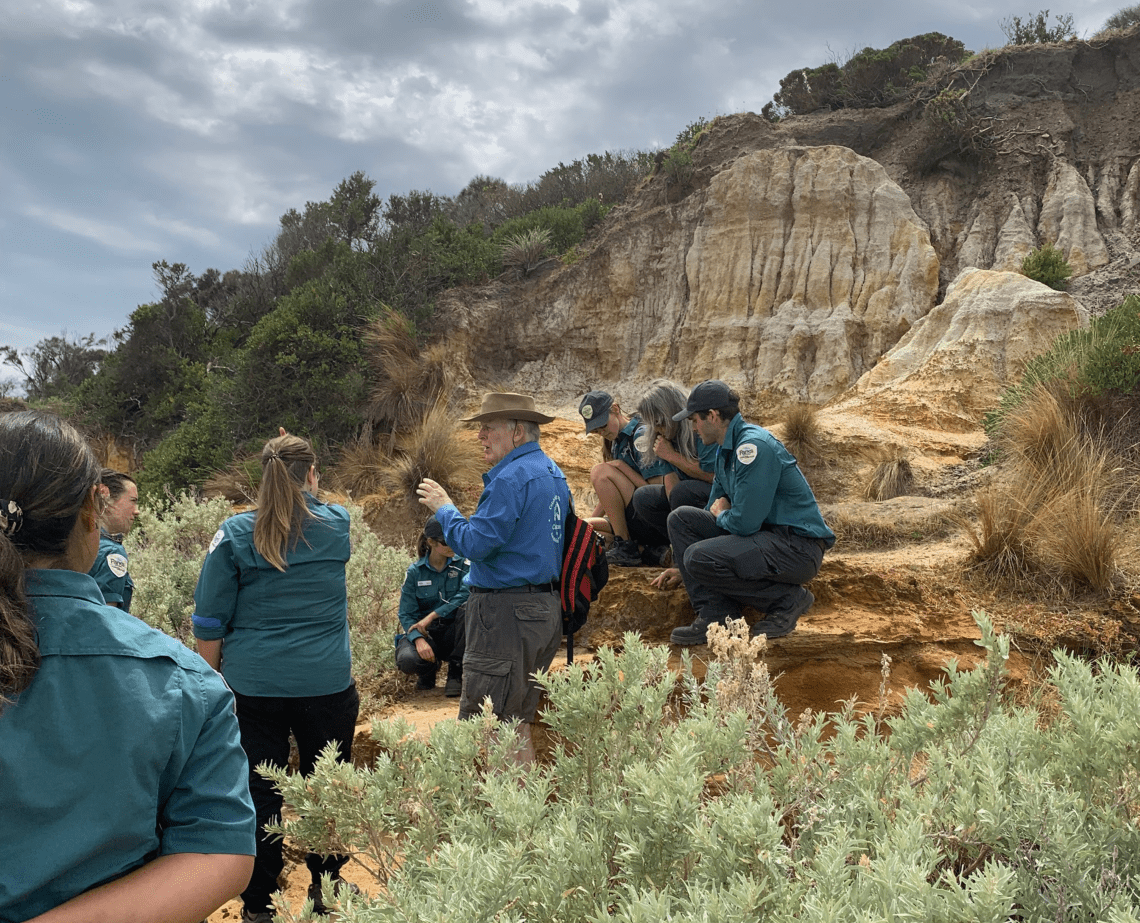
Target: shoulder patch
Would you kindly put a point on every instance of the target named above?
(117, 564)
(216, 540)
(746, 453)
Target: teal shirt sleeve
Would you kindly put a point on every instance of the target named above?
(215, 596)
(209, 809)
(753, 490)
(409, 612)
(116, 590)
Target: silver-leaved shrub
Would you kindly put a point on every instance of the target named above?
(169, 542)
(665, 798)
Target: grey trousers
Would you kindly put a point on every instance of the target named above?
(725, 572)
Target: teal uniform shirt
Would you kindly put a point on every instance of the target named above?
(625, 449)
(110, 572)
(764, 484)
(123, 748)
(284, 633)
(428, 590)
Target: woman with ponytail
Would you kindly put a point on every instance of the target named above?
(271, 614)
(123, 787)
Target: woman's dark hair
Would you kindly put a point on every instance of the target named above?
(47, 473)
(115, 481)
(281, 506)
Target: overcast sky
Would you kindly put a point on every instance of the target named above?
(140, 130)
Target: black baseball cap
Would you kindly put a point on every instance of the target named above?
(708, 395)
(595, 409)
(432, 529)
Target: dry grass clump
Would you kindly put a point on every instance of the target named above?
(802, 434)
(891, 477)
(238, 483)
(1054, 518)
(869, 533)
(360, 469)
(432, 450)
(406, 382)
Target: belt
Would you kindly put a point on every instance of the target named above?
(551, 587)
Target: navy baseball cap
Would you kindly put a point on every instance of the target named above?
(595, 409)
(708, 395)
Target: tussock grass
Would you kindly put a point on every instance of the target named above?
(891, 477)
(360, 469)
(432, 450)
(802, 434)
(238, 482)
(1054, 519)
(406, 382)
(871, 533)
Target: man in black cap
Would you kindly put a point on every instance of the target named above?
(761, 536)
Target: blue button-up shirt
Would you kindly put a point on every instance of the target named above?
(515, 535)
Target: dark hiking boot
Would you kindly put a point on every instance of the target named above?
(426, 681)
(454, 685)
(340, 886)
(624, 553)
(657, 556)
(778, 624)
(697, 633)
(263, 916)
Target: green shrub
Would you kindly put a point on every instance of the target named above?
(1122, 19)
(669, 799)
(169, 542)
(1048, 266)
(1036, 29)
(1103, 357)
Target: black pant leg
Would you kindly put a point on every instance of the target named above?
(264, 725)
(318, 721)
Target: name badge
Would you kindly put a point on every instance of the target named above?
(423, 583)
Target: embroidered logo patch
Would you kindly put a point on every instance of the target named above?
(587, 412)
(117, 563)
(216, 540)
(746, 454)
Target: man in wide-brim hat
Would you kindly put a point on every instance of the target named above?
(514, 543)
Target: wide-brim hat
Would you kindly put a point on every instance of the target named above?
(503, 405)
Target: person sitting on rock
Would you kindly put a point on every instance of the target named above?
(761, 537)
(432, 612)
(675, 443)
(618, 475)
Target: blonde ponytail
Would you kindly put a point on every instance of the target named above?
(281, 507)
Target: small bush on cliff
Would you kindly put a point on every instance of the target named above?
(524, 252)
(1122, 19)
(872, 77)
(1048, 266)
(1035, 30)
(666, 798)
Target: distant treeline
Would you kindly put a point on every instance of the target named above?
(221, 359)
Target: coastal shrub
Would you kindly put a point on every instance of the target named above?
(668, 798)
(1121, 19)
(871, 77)
(169, 542)
(1035, 30)
(1083, 365)
(1048, 266)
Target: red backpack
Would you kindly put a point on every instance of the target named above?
(584, 573)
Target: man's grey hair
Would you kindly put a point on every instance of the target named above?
(531, 432)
